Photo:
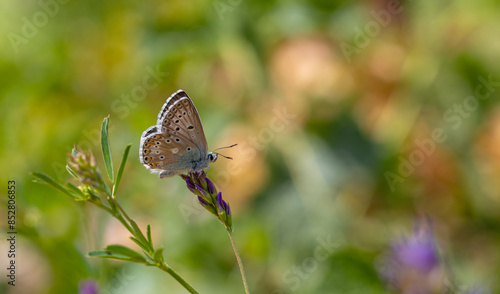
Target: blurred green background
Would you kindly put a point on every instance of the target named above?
(353, 119)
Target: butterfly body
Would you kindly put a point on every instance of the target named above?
(177, 143)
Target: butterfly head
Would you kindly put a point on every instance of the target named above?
(212, 157)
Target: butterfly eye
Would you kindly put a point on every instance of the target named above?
(190, 127)
(162, 157)
(176, 121)
(168, 141)
(177, 140)
(177, 129)
(188, 149)
(184, 113)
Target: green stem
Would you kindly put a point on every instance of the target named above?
(125, 220)
(240, 264)
(176, 276)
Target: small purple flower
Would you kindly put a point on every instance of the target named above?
(417, 252)
(413, 262)
(88, 287)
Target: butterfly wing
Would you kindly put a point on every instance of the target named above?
(166, 153)
(177, 143)
(181, 118)
(170, 101)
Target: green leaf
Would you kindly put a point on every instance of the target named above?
(148, 232)
(71, 172)
(113, 255)
(159, 255)
(122, 167)
(140, 243)
(138, 230)
(46, 179)
(123, 250)
(106, 149)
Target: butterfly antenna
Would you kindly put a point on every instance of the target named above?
(224, 148)
(223, 155)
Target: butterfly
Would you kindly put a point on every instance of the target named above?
(177, 143)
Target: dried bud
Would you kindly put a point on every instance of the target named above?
(83, 165)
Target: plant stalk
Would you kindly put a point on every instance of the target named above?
(240, 264)
(179, 279)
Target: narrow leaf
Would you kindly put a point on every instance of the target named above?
(112, 255)
(106, 149)
(123, 250)
(148, 231)
(71, 172)
(122, 167)
(46, 179)
(138, 230)
(142, 245)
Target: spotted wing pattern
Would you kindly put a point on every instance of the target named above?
(170, 101)
(177, 143)
(182, 118)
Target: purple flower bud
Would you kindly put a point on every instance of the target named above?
(88, 287)
(220, 202)
(203, 202)
(210, 186)
(201, 190)
(200, 185)
(191, 186)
